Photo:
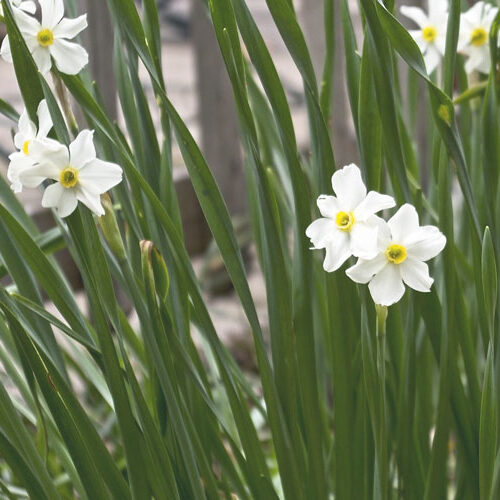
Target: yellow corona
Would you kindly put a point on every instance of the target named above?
(69, 177)
(396, 253)
(344, 221)
(45, 37)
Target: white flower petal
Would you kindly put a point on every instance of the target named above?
(33, 176)
(50, 151)
(56, 196)
(20, 158)
(27, 24)
(490, 15)
(26, 130)
(337, 252)
(16, 186)
(32, 43)
(82, 150)
(384, 232)
(432, 58)
(28, 6)
(416, 275)
(484, 65)
(419, 39)
(373, 203)
(328, 206)
(44, 120)
(18, 162)
(5, 50)
(416, 14)
(91, 200)
(67, 203)
(320, 231)
(440, 42)
(26, 126)
(363, 240)
(403, 222)
(41, 55)
(438, 10)
(475, 13)
(52, 195)
(69, 28)
(364, 270)
(425, 243)
(349, 187)
(387, 287)
(52, 12)
(70, 57)
(100, 176)
(479, 59)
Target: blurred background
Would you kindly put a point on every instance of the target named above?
(199, 88)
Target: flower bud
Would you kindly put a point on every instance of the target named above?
(155, 269)
(110, 229)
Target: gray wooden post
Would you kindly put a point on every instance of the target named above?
(217, 114)
(99, 43)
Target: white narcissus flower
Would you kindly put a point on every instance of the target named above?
(79, 175)
(403, 248)
(26, 133)
(473, 41)
(431, 37)
(49, 39)
(346, 227)
(27, 6)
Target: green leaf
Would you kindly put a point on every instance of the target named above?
(369, 125)
(488, 433)
(7, 110)
(44, 270)
(442, 106)
(16, 444)
(489, 278)
(91, 458)
(24, 65)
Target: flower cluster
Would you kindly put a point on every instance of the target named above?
(473, 42)
(48, 40)
(389, 253)
(78, 174)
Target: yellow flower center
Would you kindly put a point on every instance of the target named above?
(25, 147)
(396, 253)
(69, 177)
(429, 33)
(344, 220)
(45, 37)
(479, 37)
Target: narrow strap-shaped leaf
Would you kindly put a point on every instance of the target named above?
(40, 311)
(24, 65)
(22, 470)
(7, 110)
(22, 274)
(82, 445)
(369, 127)
(18, 437)
(488, 434)
(44, 270)
(103, 302)
(442, 106)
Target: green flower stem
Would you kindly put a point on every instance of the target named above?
(62, 94)
(383, 468)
